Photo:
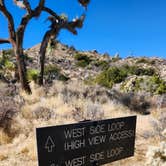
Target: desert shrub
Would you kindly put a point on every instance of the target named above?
(156, 154)
(160, 85)
(161, 89)
(113, 75)
(115, 59)
(94, 111)
(9, 65)
(42, 113)
(63, 78)
(53, 72)
(51, 69)
(82, 60)
(6, 62)
(146, 61)
(135, 70)
(9, 106)
(7, 68)
(32, 74)
(102, 64)
(151, 84)
(135, 103)
(160, 124)
(8, 52)
(144, 71)
(132, 85)
(28, 58)
(110, 76)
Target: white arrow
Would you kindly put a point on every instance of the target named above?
(49, 145)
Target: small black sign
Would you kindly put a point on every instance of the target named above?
(86, 143)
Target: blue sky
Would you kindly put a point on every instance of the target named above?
(136, 27)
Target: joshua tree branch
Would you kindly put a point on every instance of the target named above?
(42, 52)
(10, 20)
(51, 12)
(27, 17)
(39, 8)
(3, 41)
(27, 6)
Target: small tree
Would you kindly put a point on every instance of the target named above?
(16, 35)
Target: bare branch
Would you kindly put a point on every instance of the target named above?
(39, 8)
(84, 3)
(57, 21)
(51, 12)
(3, 41)
(71, 26)
(27, 17)
(27, 6)
(9, 17)
(76, 23)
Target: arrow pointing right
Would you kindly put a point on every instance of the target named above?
(49, 145)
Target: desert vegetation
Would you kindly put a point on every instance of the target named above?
(72, 93)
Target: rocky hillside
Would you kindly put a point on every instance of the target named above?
(91, 62)
(77, 86)
(142, 76)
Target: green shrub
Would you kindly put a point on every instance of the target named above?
(111, 76)
(152, 84)
(9, 65)
(82, 64)
(161, 89)
(103, 80)
(28, 58)
(32, 74)
(143, 71)
(115, 59)
(155, 79)
(63, 78)
(82, 60)
(51, 69)
(6, 60)
(102, 64)
(146, 61)
(53, 72)
(1, 62)
(9, 52)
(135, 70)
(160, 85)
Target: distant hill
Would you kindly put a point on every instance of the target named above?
(81, 85)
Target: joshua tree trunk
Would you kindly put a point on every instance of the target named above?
(22, 70)
(42, 53)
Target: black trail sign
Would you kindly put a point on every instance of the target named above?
(86, 143)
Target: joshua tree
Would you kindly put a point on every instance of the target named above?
(16, 35)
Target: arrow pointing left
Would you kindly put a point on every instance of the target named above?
(49, 145)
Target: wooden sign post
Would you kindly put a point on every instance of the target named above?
(87, 143)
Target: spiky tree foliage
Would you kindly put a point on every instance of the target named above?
(16, 35)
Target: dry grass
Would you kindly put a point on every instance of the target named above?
(58, 104)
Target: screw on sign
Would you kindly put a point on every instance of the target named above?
(89, 143)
